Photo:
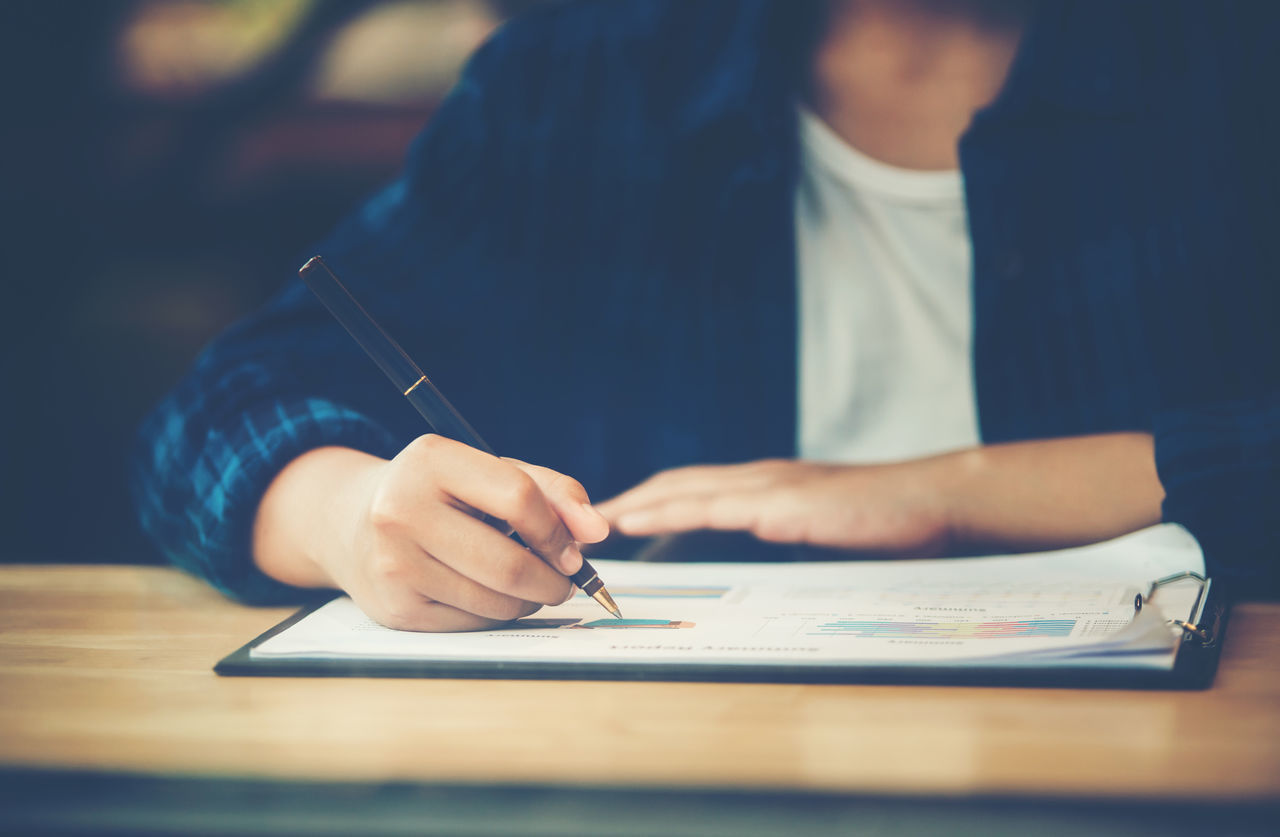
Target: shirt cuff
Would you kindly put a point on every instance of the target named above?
(233, 473)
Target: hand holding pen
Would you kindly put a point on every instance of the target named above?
(408, 538)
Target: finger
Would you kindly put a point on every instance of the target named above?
(491, 560)
(730, 512)
(569, 500)
(405, 610)
(684, 482)
(495, 487)
(402, 564)
(658, 488)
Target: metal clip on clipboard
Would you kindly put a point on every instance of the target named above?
(1193, 627)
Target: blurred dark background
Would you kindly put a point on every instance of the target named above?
(165, 161)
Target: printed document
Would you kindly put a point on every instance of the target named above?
(1065, 608)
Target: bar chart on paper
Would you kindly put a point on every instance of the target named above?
(945, 630)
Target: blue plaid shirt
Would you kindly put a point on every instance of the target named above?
(591, 250)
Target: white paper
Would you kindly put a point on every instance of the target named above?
(1070, 607)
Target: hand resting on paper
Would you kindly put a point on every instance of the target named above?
(406, 538)
(1020, 496)
(881, 509)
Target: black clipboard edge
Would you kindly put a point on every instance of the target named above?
(1195, 666)
(1197, 660)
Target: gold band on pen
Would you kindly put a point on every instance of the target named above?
(415, 385)
(591, 585)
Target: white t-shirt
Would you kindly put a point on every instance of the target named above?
(885, 306)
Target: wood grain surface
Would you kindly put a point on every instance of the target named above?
(110, 668)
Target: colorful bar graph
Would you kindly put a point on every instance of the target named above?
(946, 630)
(614, 624)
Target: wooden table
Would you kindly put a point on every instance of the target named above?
(106, 677)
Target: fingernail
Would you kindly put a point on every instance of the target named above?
(571, 559)
(591, 510)
(573, 591)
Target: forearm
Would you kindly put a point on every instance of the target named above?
(1048, 493)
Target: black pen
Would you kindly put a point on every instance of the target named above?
(415, 386)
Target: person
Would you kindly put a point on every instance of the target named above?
(899, 278)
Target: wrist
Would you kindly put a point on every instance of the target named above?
(955, 479)
(1048, 494)
(306, 520)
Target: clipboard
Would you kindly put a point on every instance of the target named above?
(1195, 662)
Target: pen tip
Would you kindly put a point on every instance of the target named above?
(603, 597)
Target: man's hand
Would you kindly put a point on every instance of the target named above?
(408, 540)
(880, 509)
(1017, 496)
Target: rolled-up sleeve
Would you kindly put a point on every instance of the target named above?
(1220, 467)
(198, 482)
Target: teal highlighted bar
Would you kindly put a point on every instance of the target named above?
(629, 623)
(626, 623)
